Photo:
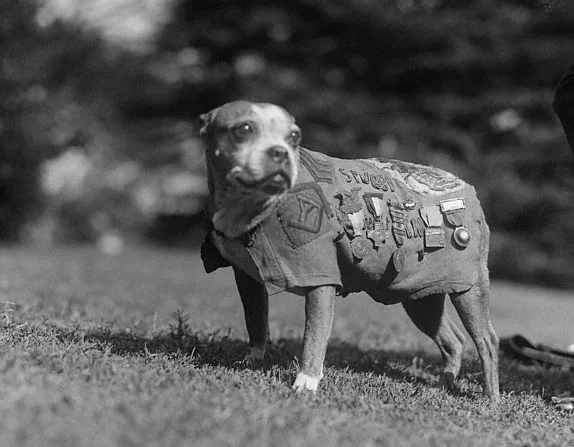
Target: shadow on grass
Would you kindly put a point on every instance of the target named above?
(416, 367)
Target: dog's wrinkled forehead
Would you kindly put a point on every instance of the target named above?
(270, 117)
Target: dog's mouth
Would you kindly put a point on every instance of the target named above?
(274, 183)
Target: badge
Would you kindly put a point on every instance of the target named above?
(434, 238)
(453, 209)
(359, 247)
(418, 227)
(409, 229)
(450, 205)
(431, 216)
(399, 227)
(409, 205)
(352, 210)
(377, 235)
(320, 169)
(461, 236)
(398, 260)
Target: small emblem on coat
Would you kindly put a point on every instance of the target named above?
(321, 170)
(434, 238)
(377, 235)
(398, 260)
(453, 210)
(301, 213)
(461, 236)
(359, 247)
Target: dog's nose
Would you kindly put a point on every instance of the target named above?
(278, 154)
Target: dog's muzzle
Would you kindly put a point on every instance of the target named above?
(274, 183)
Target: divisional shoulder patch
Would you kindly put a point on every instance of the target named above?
(422, 179)
(320, 169)
(302, 214)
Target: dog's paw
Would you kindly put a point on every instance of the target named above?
(303, 382)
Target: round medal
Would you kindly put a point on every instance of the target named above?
(359, 247)
(398, 260)
(461, 236)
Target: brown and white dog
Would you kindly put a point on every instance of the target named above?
(286, 218)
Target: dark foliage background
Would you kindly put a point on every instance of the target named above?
(463, 85)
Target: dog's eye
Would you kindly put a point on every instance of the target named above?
(294, 138)
(242, 131)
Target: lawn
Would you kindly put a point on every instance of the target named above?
(141, 349)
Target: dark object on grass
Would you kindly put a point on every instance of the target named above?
(521, 349)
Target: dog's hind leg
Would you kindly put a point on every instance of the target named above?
(472, 307)
(430, 316)
(256, 308)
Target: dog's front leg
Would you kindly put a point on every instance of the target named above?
(319, 310)
(256, 308)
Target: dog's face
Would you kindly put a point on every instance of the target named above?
(252, 146)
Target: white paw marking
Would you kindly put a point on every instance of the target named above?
(303, 382)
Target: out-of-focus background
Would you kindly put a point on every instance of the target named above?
(99, 105)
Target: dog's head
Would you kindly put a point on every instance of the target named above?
(252, 146)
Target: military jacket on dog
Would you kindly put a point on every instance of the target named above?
(394, 229)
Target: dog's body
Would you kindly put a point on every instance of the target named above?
(290, 219)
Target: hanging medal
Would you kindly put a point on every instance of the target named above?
(354, 221)
(376, 205)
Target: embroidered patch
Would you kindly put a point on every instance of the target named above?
(321, 170)
(301, 214)
(422, 179)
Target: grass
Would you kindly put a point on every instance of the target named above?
(142, 350)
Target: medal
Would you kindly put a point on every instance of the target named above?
(359, 247)
(399, 227)
(398, 260)
(431, 216)
(377, 235)
(375, 205)
(453, 209)
(434, 238)
(461, 236)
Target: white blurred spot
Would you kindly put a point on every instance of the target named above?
(249, 65)
(506, 120)
(65, 174)
(110, 244)
(133, 24)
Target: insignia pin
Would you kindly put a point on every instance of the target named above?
(359, 248)
(434, 238)
(409, 205)
(461, 236)
(377, 235)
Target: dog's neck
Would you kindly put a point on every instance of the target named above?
(234, 212)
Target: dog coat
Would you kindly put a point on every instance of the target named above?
(390, 228)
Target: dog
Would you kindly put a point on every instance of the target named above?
(287, 218)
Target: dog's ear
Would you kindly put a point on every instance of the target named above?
(206, 119)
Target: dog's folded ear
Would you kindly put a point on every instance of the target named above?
(205, 119)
